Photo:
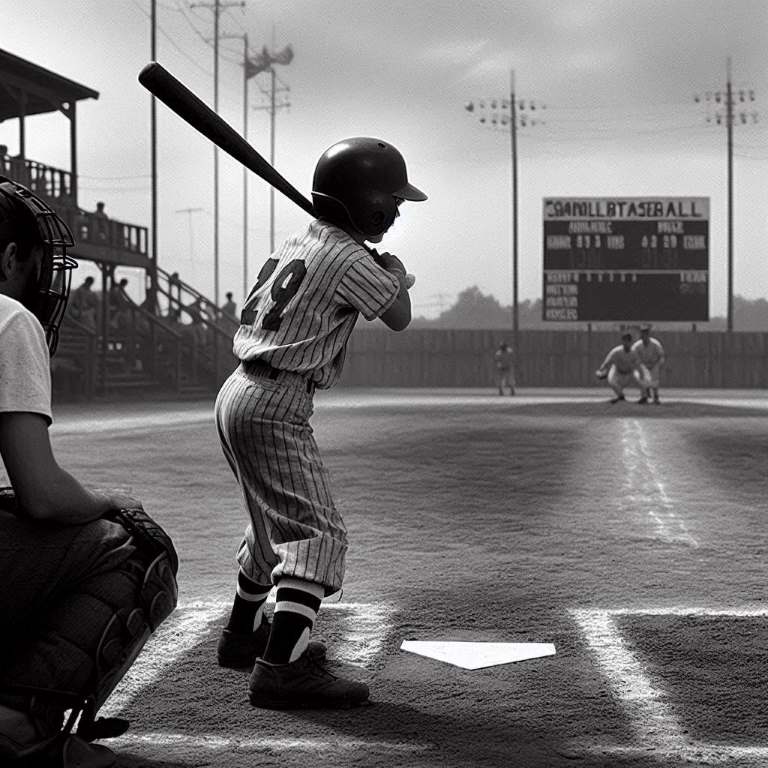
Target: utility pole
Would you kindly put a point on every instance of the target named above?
(217, 6)
(726, 114)
(153, 161)
(245, 170)
(246, 76)
(498, 113)
(264, 62)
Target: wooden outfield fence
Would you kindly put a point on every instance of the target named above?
(464, 358)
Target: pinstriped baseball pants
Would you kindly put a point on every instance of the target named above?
(295, 528)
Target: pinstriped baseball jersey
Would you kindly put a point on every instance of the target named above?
(298, 319)
(306, 300)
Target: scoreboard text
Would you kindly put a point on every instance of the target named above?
(626, 259)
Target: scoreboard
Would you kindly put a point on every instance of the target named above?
(626, 259)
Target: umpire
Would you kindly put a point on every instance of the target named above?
(86, 576)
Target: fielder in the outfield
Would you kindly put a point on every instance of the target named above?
(292, 339)
(504, 360)
(622, 368)
(652, 356)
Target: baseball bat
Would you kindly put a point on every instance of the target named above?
(175, 95)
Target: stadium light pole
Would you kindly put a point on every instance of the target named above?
(498, 113)
(724, 113)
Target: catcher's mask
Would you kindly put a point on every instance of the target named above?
(30, 222)
(362, 180)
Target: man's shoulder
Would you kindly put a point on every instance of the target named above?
(17, 322)
(11, 309)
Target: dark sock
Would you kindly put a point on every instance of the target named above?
(296, 607)
(248, 606)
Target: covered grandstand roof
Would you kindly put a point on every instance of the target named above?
(45, 90)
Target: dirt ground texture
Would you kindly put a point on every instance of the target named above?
(632, 537)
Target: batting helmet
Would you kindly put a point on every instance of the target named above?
(29, 222)
(362, 180)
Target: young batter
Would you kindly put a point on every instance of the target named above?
(292, 339)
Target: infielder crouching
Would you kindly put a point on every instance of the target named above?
(622, 368)
(652, 356)
(292, 339)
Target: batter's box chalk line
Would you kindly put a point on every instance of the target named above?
(656, 727)
(184, 742)
(364, 627)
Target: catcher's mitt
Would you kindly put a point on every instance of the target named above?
(148, 534)
(601, 375)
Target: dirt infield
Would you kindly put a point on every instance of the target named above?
(632, 537)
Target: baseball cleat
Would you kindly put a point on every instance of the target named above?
(616, 399)
(238, 650)
(302, 684)
(643, 400)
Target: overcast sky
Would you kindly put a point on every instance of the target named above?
(617, 78)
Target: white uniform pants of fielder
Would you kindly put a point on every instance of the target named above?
(619, 381)
(295, 529)
(653, 375)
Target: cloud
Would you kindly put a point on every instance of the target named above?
(454, 51)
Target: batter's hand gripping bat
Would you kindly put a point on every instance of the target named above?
(175, 95)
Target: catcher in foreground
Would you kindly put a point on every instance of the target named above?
(87, 576)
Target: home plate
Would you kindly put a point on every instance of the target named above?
(477, 655)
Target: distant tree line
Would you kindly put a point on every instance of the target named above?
(474, 309)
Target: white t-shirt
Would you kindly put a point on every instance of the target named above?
(25, 364)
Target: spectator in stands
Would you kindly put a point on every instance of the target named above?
(229, 309)
(174, 292)
(120, 305)
(197, 313)
(84, 304)
(102, 222)
(82, 225)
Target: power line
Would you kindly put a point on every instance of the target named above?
(173, 42)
